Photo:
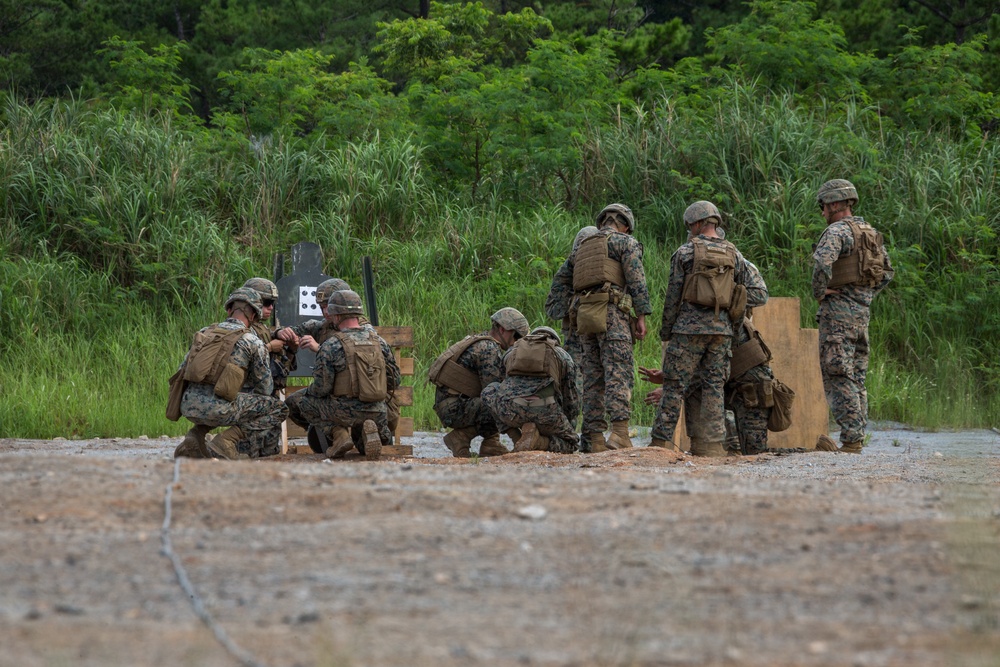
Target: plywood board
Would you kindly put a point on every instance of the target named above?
(796, 363)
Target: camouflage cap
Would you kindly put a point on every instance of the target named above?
(512, 320)
(618, 212)
(546, 331)
(249, 296)
(701, 210)
(582, 235)
(345, 302)
(264, 287)
(328, 287)
(836, 190)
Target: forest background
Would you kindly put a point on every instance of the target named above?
(154, 155)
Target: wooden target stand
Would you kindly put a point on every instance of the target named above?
(400, 339)
(796, 363)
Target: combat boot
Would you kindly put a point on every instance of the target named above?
(341, 442)
(513, 433)
(373, 443)
(531, 440)
(700, 448)
(619, 436)
(223, 446)
(458, 441)
(193, 444)
(825, 443)
(491, 446)
(597, 442)
(852, 447)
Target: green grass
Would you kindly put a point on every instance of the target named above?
(120, 235)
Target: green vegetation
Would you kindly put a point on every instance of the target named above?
(463, 157)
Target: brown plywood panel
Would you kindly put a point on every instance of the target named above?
(404, 395)
(404, 429)
(405, 364)
(396, 336)
(796, 363)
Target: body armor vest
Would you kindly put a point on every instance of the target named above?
(749, 355)
(365, 375)
(208, 361)
(865, 264)
(534, 356)
(448, 373)
(593, 268)
(712, 278)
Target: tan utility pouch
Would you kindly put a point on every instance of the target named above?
(738, 304)
(229, 382)
(592, 314)
(781, 414)
(175, 395)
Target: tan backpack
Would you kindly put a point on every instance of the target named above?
(448, 373)
(534, 356)
(712, 278)
(366, 377)
(208, 361)
(865, 264)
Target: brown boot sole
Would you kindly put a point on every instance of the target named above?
(373, 443)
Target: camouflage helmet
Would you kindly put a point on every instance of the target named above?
(620, 213)
(264, 287)
(512, 320)
(546, 331)
(583, 235)
(251, 297)
(701, 210)
(836, 190)
(328, 287)
(345, 302)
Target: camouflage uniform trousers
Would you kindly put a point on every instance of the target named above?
(514, 412)
(259, 417)
(751, 422)
(608, 370)
(843, 360)
(464, 412)
(331, 411)
(695, 370)
(574, 346)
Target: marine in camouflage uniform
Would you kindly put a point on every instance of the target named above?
(557, 307)
(281, 354)
(844, 313)
(751, 420)
(465, 413)
(320, 330)
(536, 405)
(335, 417)
(608, 365)
(254, 416)
(698, 340)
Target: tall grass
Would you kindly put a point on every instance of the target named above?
(120, 235)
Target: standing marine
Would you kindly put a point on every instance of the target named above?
(710, 287)
(460, 374)
(538, 398)
(228, 383)
(851, 266)
(608, 281)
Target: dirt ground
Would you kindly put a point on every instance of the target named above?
(631, 558)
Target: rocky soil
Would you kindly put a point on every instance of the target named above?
(631, 558)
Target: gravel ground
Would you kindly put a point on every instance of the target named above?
(641, 557)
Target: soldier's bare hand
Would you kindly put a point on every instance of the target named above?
(653, 397)
(640, 327)
(286, 334)
(651, 375)
(275, 346)
(308, 343)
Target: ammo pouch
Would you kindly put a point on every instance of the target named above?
(177, 386)
(757, 394)
(749, 355)
(229, 382)
(781, 414)
(592, 313)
